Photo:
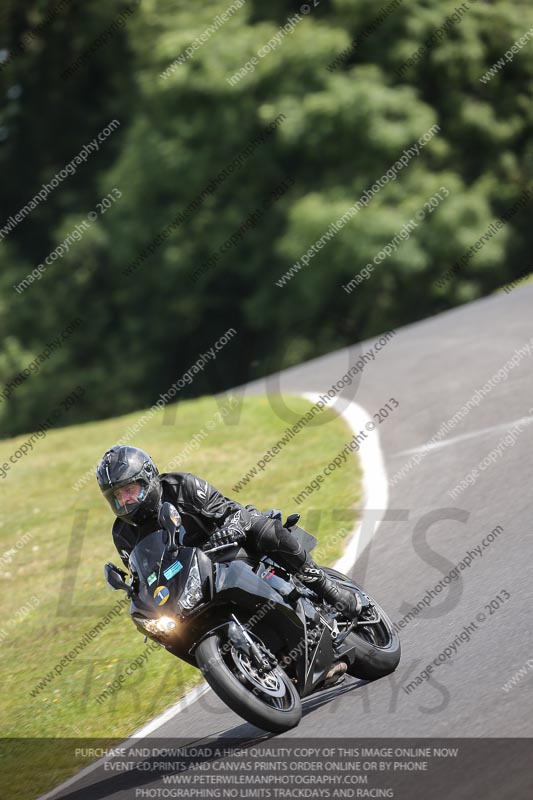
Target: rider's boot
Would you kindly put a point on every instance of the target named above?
(345, 601)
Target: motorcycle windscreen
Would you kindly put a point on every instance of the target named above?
(162, 574)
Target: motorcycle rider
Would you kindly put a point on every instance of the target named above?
(135, 491)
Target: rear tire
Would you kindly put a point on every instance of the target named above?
(219, 663)
(377, 646)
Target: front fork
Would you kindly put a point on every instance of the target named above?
(240, 638)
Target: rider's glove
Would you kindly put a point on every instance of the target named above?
(228, 534)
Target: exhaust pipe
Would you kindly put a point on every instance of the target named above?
(335, 675)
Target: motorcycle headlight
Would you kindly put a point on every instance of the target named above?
(158, 626)
(166, 624)
(192, 593)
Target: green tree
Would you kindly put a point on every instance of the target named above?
(352, 87)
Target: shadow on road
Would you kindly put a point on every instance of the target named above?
(99, 784)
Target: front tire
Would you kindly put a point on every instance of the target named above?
(270, 702)
(377, 646)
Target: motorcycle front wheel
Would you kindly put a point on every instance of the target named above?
(268, 700)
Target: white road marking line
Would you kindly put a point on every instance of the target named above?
(375, 483)
(189, 698)
(463, 437)
(376, 496)
(171, 712)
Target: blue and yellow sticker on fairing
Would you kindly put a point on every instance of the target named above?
(161, 595)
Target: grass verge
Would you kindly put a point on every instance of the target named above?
(54, 542)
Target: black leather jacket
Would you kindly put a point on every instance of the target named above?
(202, 507)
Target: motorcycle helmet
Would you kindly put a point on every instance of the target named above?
(129, 481)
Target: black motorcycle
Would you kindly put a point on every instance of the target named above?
(260, 637)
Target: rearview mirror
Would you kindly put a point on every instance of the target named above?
(115, 579)
(291, 520)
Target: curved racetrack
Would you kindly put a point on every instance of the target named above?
(432, 368)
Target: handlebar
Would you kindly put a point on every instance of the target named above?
(222, 547)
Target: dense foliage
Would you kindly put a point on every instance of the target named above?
(215, 206)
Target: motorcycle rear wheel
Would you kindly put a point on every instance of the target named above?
(378, 646)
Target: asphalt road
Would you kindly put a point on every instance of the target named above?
(432, 368)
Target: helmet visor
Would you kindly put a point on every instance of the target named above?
(126, 498)
(128, 495)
